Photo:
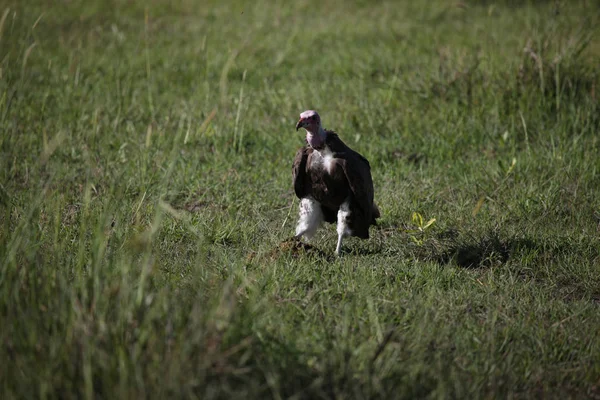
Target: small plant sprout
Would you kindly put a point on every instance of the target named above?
(418, 232)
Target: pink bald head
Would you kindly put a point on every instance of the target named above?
(310, 121)
(315, 134)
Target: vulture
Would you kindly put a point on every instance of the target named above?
(333, 183)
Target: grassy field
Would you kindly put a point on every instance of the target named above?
(146, 199)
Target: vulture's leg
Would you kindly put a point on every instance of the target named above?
(311, 216)
(338, 248)
(342, 225)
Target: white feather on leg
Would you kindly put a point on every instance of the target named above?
(311, 217)
(342, 225)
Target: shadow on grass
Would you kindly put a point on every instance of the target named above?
(487, 251)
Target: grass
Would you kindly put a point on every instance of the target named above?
(146, 200)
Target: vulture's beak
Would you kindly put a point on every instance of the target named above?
(300, 124)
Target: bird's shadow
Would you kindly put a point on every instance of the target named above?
(450, 247)
(487, 250)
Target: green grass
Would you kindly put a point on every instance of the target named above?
(145, 199)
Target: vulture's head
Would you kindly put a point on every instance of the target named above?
(310, 121)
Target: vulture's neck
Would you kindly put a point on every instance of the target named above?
(316, 140)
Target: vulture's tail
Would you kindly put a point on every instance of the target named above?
(376, 214)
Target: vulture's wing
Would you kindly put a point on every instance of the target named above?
(299, 172)
(358, 173)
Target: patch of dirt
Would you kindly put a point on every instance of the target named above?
(293, 247)
(297, 249)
